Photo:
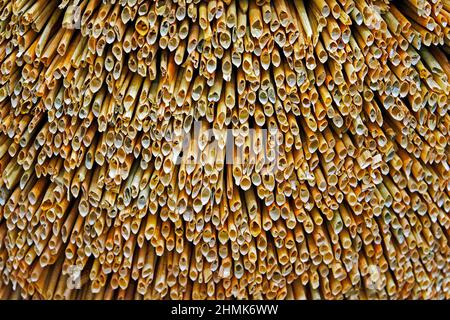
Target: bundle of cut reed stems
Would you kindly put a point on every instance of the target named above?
(247, 149)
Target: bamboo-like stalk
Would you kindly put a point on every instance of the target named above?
(224, 149)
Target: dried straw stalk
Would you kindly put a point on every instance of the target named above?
(97, 98)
